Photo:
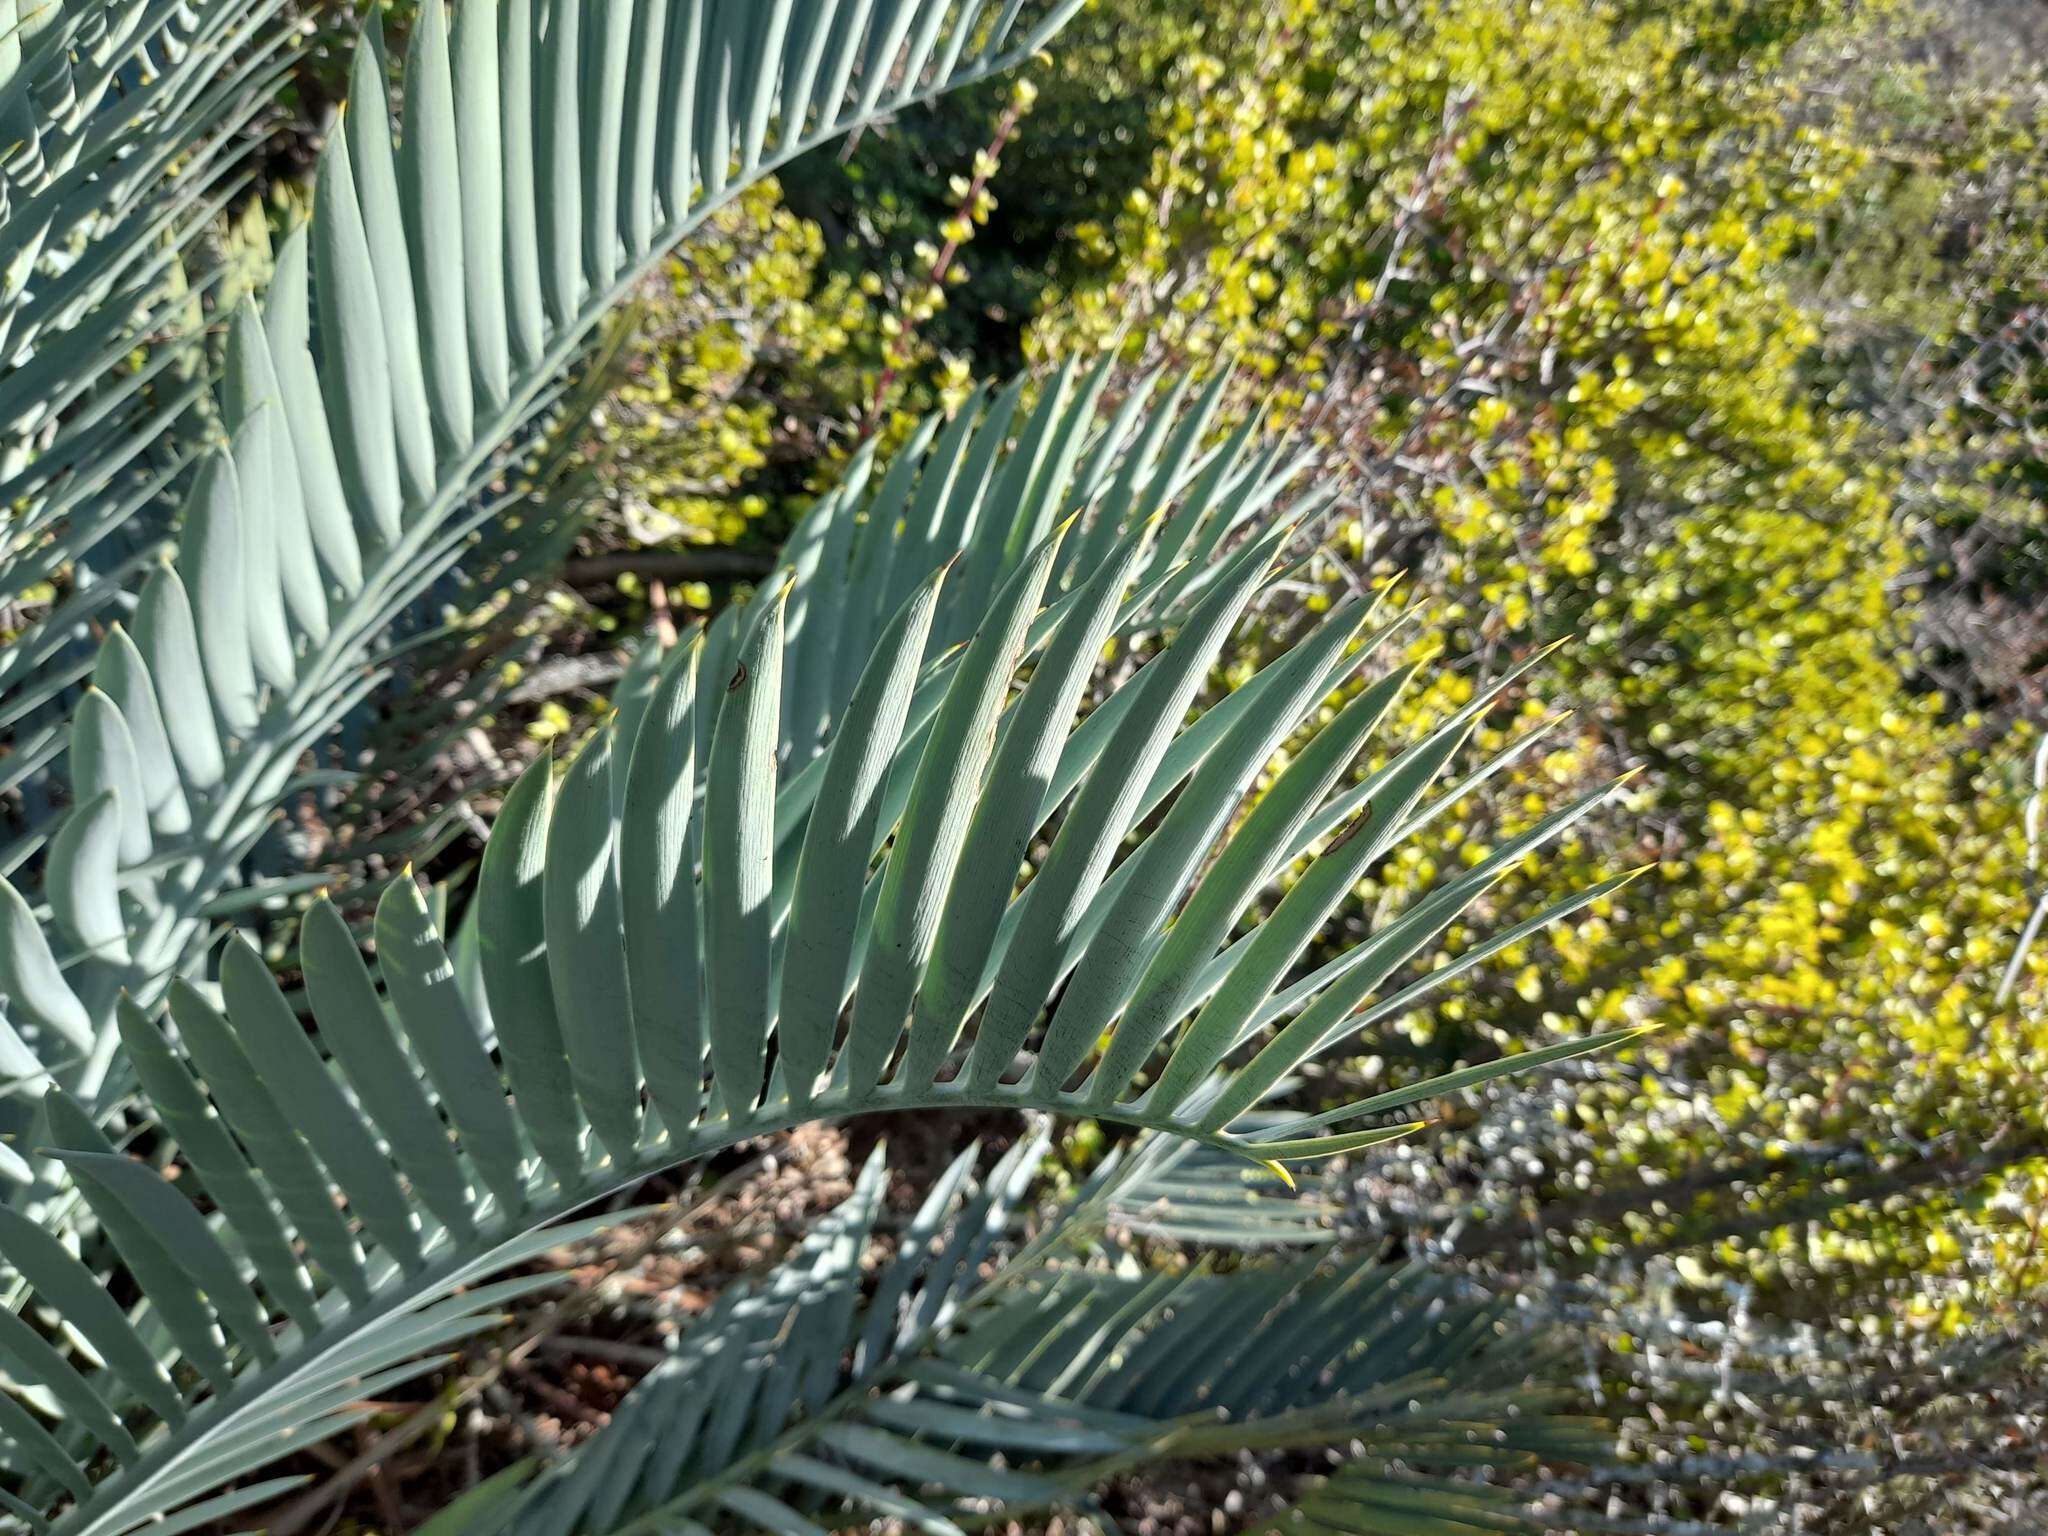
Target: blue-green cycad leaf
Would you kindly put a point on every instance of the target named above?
(739, 863)
(657, 873)
(839, 843)
(83, 884)
(580, 893)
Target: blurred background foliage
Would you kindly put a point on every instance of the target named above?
(1708, 334)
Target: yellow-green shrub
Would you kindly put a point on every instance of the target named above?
(1540, 276)
(741, 353)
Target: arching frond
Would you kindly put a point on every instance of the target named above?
(695, 936)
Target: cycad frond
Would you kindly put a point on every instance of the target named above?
(456, 261)
(704, 1430)
(817, 1401)
(691, 940)
(121, 123)
(1200, 1196)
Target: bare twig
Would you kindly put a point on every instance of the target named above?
(666, 565)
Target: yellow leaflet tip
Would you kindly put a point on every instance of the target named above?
(1631, 773)
(1278, 1169)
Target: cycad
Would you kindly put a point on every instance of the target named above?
(456, 262)
(819, 1399)
(689, 941)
